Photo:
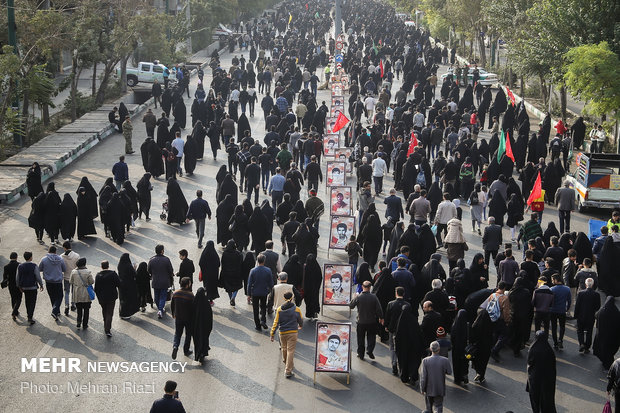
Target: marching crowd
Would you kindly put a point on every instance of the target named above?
(422, 137)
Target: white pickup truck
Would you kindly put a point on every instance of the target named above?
(146, 72)
(596, 180)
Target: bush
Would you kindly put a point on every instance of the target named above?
(84, 104)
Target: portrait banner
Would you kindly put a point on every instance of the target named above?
(336, 173)
(330, 144)
(333, 347)
(337, 284)
(343, 155)
(340, 231)
(340, 201)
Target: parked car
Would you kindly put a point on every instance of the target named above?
(146, 72)
(486, 78)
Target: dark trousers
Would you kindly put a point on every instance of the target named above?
(291, 247)
(555, 318)
(564, 221)
(378, 184)
(16, 299)
(107, 309)
(83, 312)
(232, 166)
(489, 254)
(501, 334)
(31, 301)
(179, 326)
(366, 331)
(441, 228)
(313, 184)
(259, 300)
(253, 188)
(541, 318)
(55, 292)
(584, 334)
(265, 175)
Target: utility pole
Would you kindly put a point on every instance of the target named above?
(338, 19)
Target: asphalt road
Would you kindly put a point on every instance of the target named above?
(243, 371)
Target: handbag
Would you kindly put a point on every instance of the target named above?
(89, 288)
(200, 276)
(169, 292)
(607, 407)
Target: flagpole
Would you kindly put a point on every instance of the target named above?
(338, 19)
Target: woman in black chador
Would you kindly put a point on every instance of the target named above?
(312, 280)
(202, 325)
(541, 374)
(52, 212)
(143, 285)
(177, 204)
(67, 214)
(210, 269)
(128, 289)
(33, 181)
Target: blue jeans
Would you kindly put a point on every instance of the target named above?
(67, 286)
(306, 161)
(179, 169)
(160, 298)
(55, 292)
(265, 175)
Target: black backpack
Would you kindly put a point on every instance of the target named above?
(473, 198)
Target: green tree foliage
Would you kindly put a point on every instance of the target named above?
(591, 73)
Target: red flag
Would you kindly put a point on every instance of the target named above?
(341, 122)
(412, 144)
(536, 190)
(381, 67)
(511, 96)
(306, 6)
(509, 148)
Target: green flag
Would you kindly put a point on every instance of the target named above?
(374, 48)
(317, 15)
(502, 146)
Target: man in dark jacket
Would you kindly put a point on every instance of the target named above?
(161, 272)
(107, 283)
(491, 240)
(394, 206)
(313, 173)
(252, 179)
(156, 93)
(198, 211)
(588, 303)
(260, 283)
(27, 279)
(182, 307)
(392, 315)
(368, 312)
(170, 402)
(430, 323)
(8, 279)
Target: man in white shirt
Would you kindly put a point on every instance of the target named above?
(179, 144)
(418, 120)
(280, 289)
(369, 105)
(378, 170)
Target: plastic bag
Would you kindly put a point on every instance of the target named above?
(434, 229)
(607, 407)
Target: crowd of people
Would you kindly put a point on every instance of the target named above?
(424, 137)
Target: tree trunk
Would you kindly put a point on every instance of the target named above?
(563, 102)
(483, 52)
(522, 90)
(25, 121)
(124, 74)
(510, 85)
(74, 84)
(93, 85)
(45, 111)
(108, 68)
(543, 90)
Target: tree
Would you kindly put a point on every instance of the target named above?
(592, 75)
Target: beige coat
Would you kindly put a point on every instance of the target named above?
(80, 293)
